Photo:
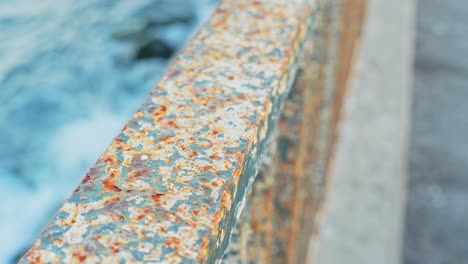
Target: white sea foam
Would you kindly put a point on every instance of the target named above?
(66, 90)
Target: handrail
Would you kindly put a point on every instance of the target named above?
(172, 185)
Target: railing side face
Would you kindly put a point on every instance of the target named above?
(276, 226)
(347, 17)
(171, 186)
(283, 211)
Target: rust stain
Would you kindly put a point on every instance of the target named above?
(110, 184)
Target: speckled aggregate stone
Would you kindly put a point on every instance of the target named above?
(277, 223)
(170, 187)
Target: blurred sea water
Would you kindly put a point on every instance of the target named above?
(71, 75)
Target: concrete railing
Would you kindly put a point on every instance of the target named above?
(226, 159)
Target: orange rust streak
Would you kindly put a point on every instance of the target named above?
(79, 257)
(173, 243)
(203, 249)
(215, 221)
(222, 20)
(137, 173)
(159, 113)
(156, 197)
(109, 184)
(226, 199)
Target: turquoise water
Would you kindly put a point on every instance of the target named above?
(71, 74)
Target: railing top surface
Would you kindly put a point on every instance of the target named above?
(170, 186)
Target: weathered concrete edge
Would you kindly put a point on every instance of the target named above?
(171, 185)
(363, 217)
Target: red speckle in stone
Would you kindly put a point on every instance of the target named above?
(113, 200)
(173, 243)
(86, 179)
(159, 113)
(193, 154)
(140, 217)
(117, 217)
(161, 110)
(255, 225)
(148, 210)
(180, 106)
(156, 197)
(137, 173)
(206, 168)
(159, 87)
(111, 161)
(173, 73)
(237, 172)
(163, 139)
(204, 248)
(215, 220)
(172, 123)
(116, 189)
(172, 217)
(222, 19)
(239, 157)
(79, 257)
(77, 189)
(93, 171)
(257, 3)
(225, 199)
(231, 77)
(109, 183)
(196, 212)
(112, 174)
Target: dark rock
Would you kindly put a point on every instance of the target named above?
(154, 48)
